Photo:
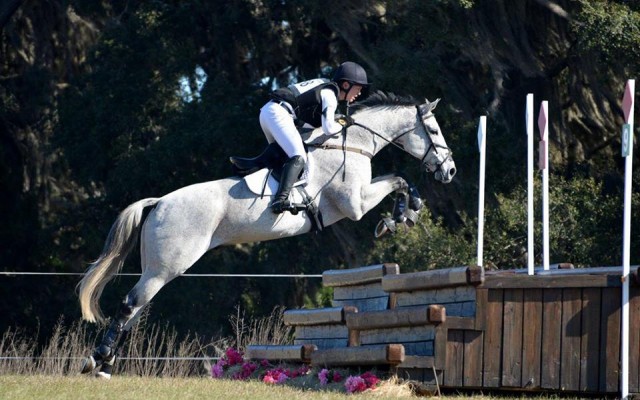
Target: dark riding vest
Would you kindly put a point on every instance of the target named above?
(305, 99)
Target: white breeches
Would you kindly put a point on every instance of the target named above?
(278, 125)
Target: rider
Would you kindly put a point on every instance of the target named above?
(313, 103)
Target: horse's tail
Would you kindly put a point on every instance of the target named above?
(123, 236)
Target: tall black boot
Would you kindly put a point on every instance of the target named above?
(290, 173)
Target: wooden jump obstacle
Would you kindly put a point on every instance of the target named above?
(462, 328)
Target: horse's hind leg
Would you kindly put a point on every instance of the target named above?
(105, 354)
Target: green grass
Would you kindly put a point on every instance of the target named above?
(15, 387)
(20, 387)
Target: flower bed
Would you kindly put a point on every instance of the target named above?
(233, 366)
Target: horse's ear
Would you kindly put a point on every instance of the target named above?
(428, 106)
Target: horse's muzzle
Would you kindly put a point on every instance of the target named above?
(446, 172)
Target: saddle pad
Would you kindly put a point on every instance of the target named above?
(256, 184)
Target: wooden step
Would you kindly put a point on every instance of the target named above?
(290, 353)
(387, 354)
(434, 279)
(398, 317)
(319, 316)
(358, 276)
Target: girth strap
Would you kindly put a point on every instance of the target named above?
(339, 147)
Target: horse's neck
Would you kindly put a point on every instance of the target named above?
(385, 123)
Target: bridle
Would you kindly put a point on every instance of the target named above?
(423, 117)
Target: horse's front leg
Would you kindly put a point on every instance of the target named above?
(371, 195)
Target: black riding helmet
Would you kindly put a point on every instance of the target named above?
(352, 73)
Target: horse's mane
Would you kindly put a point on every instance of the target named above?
(384, 99)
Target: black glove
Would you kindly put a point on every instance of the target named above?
(344, 120)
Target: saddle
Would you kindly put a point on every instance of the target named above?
(262, 176)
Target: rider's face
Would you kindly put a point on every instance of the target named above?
(350, 94)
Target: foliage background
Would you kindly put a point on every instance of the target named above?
(95, 114)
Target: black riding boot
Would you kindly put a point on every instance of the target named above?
(290, 173)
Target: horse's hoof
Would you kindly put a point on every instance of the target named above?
(410, 217)
(384, 226)
(103, 375)
(106, 368)
(88, 365)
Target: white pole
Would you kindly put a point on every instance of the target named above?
(529, 121)
(543, 125)
(627, 153)
(482, 145)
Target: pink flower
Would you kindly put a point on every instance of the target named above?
(355, 384)
(274, 376)
(323, 376)
(336, 377)
(217, 369)
(303, 370)
(233, 356)
(245, 371)
(370, 379)
(282, 378)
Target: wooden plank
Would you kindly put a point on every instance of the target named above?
(455, 358)
(590, 346)
(481, 308)
(571, 335)
(532, 338)
(321, 332)
(389, 354)
(493, 340)
(354, 338)
(301, 353)
(437, 314)
(397, 335)
(460, 323)
(610, 340)
(512, 338)
(318, 316)
(417, 362)
(551, 338)
(320, 343)
(358, 276)
(433, 279)
(472, 374)
(462, 297)
(634, 340)
(367, 291)
(518, 281)
(440, 346)
(399, 317)
(371, 304)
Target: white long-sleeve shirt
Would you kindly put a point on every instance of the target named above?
(329, 107)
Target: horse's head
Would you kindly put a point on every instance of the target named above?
(428, 144)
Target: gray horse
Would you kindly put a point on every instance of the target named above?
(185, 224)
